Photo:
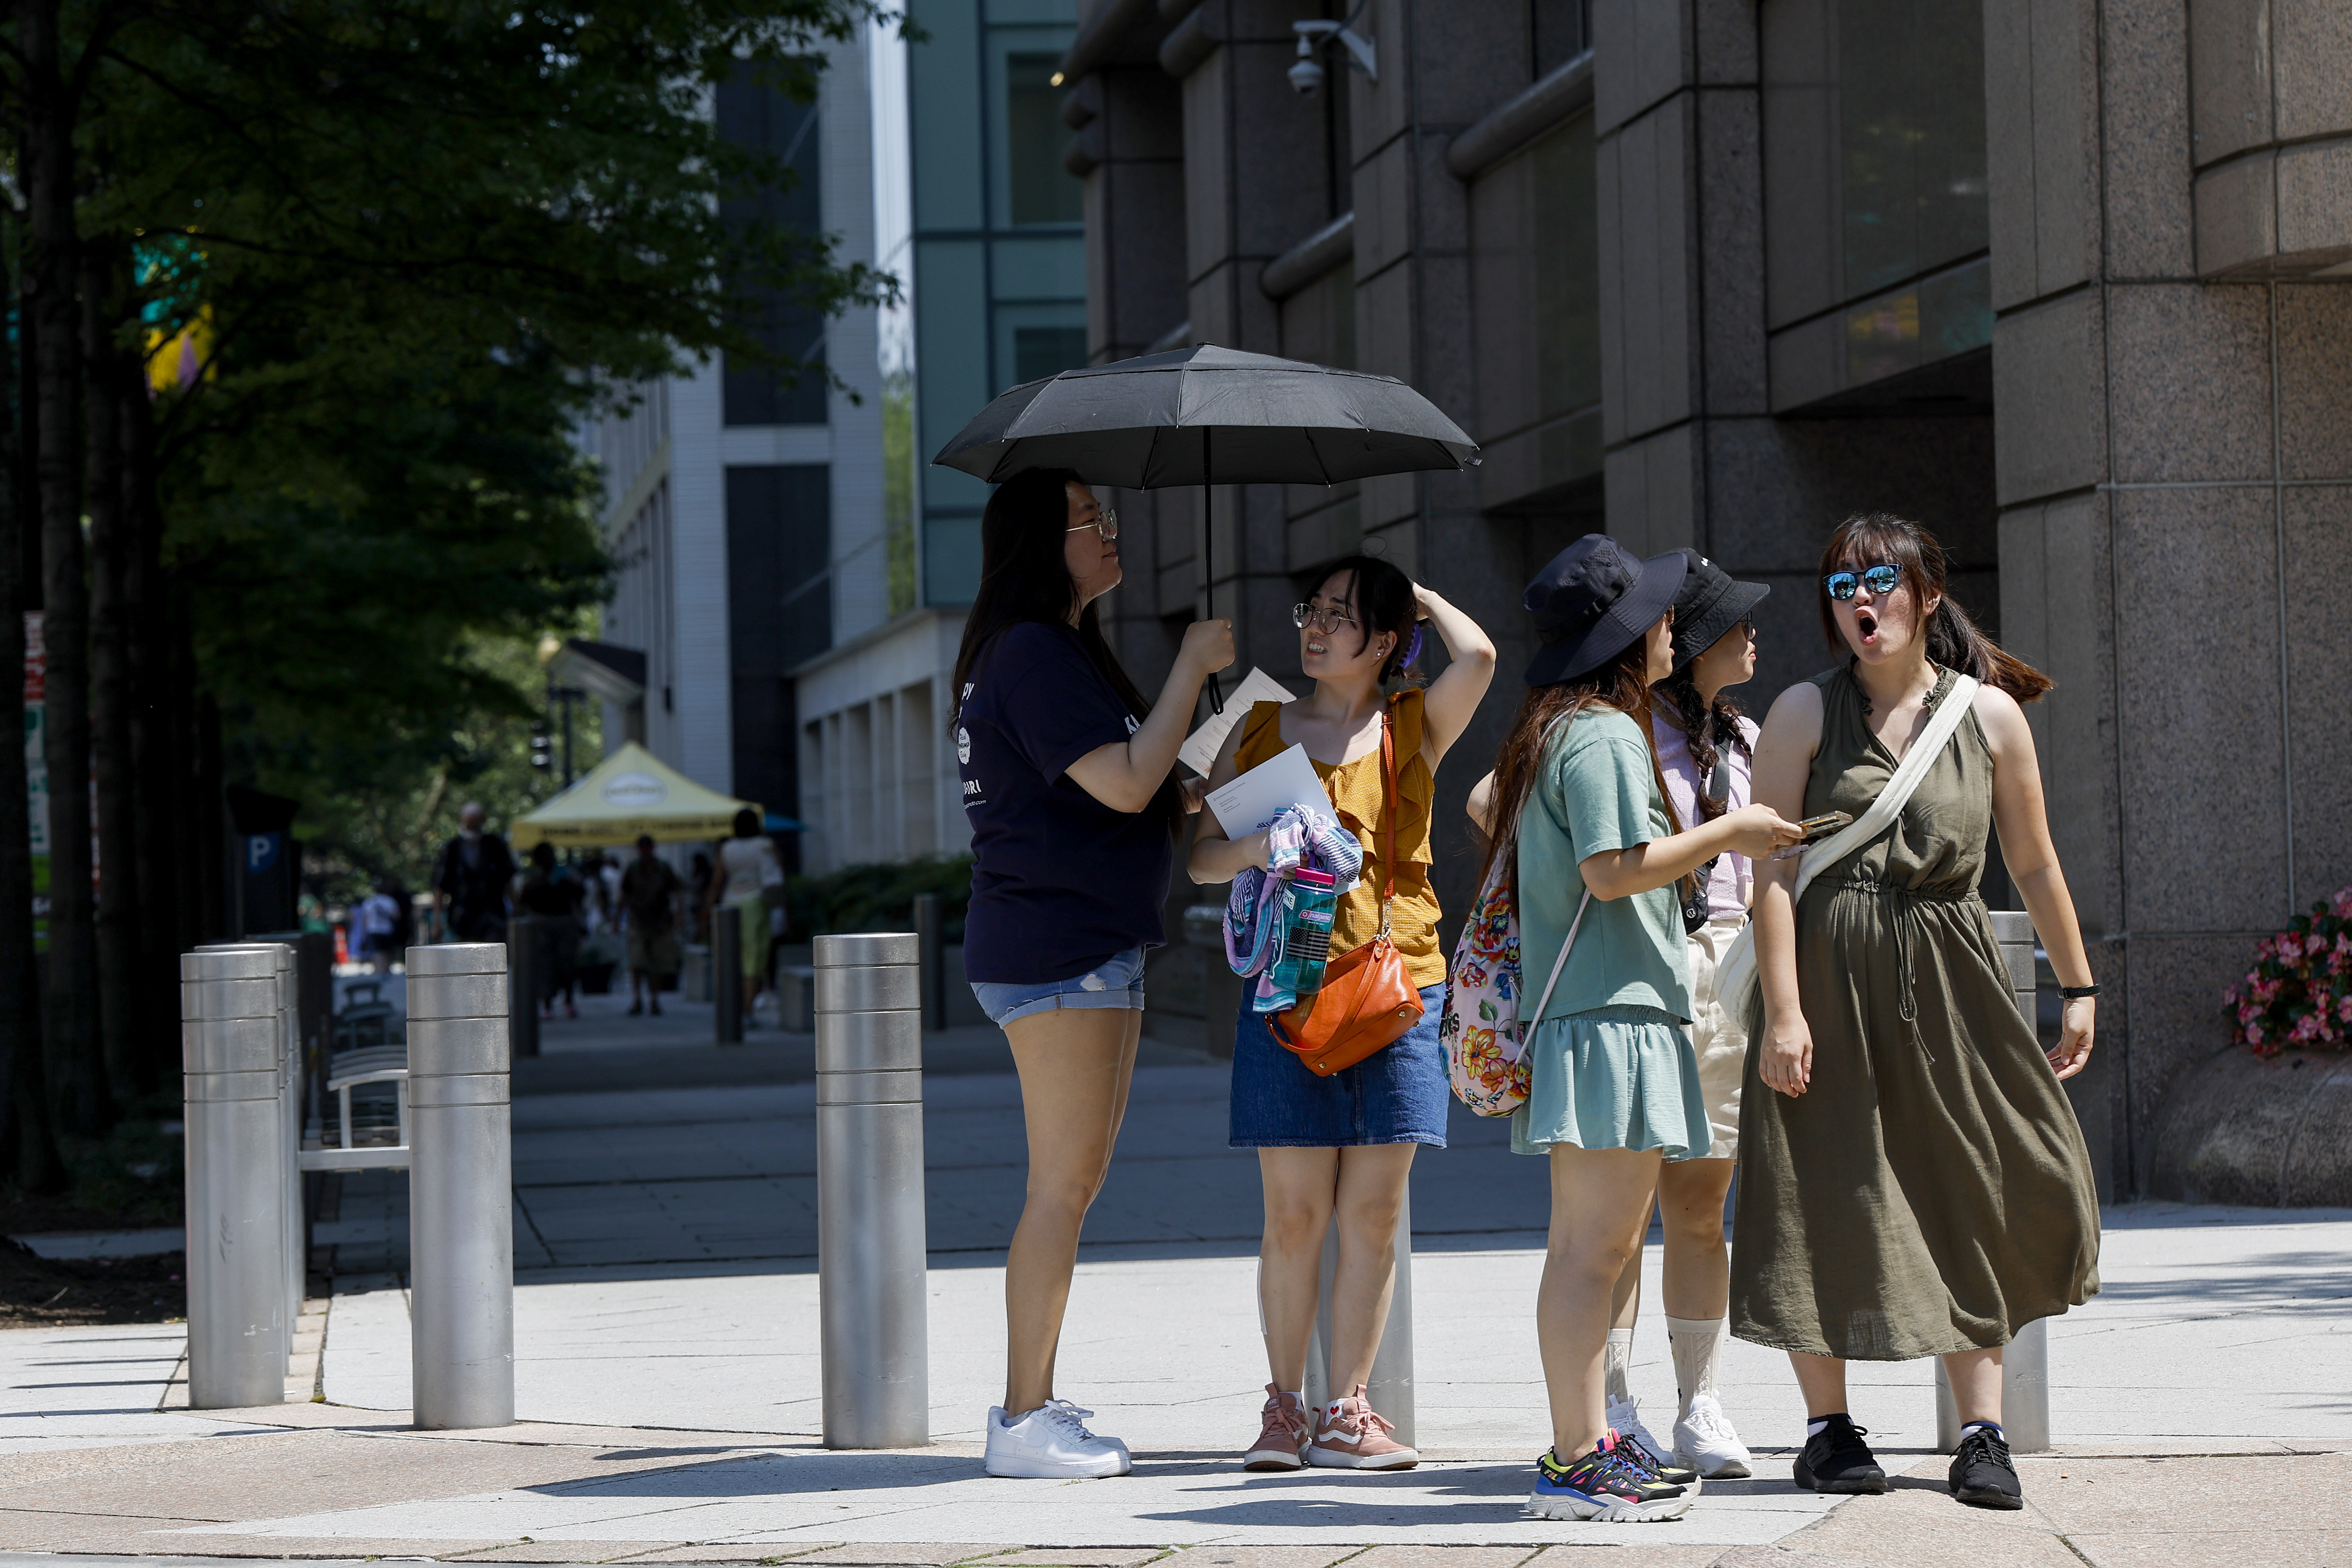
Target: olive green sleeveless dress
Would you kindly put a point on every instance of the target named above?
(1930, 1191)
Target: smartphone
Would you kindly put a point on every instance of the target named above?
(1815, 829)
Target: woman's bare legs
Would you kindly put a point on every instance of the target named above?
(1075, 1064)
(1365, 1187)
(1600, 1207)
(1975, 1377)
(1698, 1278)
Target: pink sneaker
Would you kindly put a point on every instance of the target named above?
(1282, 1435)
(1350, 1435)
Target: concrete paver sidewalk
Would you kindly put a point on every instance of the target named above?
(666, 1331)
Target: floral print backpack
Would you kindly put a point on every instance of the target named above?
(1483, 1034)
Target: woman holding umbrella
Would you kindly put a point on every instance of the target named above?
(1068, 779)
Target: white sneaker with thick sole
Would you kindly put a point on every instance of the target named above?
(1625, 1415)
(1705, 1440)
(1051, 1443)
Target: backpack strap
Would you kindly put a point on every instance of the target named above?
(1557, 965)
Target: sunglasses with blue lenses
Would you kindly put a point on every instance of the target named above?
(1880, 579)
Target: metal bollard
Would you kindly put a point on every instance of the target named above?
(460, 1186)
(1390, 1389)
(931, 935)
(871, 1283)
(232, 1042)
(527, 973)
(727, 972)
(2025, 1362)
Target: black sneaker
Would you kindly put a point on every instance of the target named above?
(1983, 1472)
(1836, 1459)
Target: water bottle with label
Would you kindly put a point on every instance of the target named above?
(1308, 899)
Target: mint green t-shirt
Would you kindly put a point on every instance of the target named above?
(1596, 791)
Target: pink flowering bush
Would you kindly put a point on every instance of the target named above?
(2298, 994)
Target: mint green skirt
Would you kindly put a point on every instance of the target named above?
(1614, 1078)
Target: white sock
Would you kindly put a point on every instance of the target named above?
(1299, 1395)
(1815, 1427)
(1617, 1362)
(1698, 1345)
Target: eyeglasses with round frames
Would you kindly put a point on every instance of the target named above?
(1880, 579)
(1326, 622)
(1105, 524)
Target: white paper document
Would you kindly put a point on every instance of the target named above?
(1257, 797)
(1200, 751)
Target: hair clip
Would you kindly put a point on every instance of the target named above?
(1412, 648)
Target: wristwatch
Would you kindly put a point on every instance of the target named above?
(2071, 992)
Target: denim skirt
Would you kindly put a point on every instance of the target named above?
(1396, 1095)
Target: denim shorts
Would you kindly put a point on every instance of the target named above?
(1396, 1095)
(1116, 982)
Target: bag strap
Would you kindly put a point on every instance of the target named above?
(1388, 820)
(1558, 964)
(1897, 791)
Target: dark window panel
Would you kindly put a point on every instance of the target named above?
(780, 614)
(755, 115)
(1042, 352)
(1043, 192)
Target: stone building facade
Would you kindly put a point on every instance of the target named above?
(2062, 279)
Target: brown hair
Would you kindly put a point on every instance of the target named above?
(1953, 640)
(1621, 683)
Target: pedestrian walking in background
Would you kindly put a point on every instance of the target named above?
(1914, 1181)
(1068, 779)
(1343, 1144)
(698, 876)
(650, 894)
(556, 898)
(1705, 752)
(1613, 1086)
(747, 868)
(472, 880)
(377, 921)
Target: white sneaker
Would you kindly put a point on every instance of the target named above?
(1625, 1416)
(1051, 1443)
(1705, 1440)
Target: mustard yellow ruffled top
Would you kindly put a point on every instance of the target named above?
(1357, 798)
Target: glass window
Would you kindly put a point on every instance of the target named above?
(1041, 190)
(1042, 352)
(780, 613)
(756, 114)
(1911, 134)
(1563, 30)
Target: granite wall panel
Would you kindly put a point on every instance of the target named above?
(2144, 100)
(2064, 36)
(2050, 397)
(2311, 54)
(1642, 53)
(2010, 162)
(2173, 990)
(2197, 636)
(2190, 381)
(2232, 103)
(1730, 212)
(2314, 352)
(2318, 553)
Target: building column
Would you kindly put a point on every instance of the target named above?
(2175, 482)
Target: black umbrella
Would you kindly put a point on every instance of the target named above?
(1207, 415)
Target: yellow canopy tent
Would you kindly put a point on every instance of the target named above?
(630, 793)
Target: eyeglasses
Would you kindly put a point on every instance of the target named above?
(1107, 525)
(1880, 579)
(1323, 621)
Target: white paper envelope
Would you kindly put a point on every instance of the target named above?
(1200, 749)
(1257, 797)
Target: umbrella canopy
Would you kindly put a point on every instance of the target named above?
(630, 793)
(1207, 415)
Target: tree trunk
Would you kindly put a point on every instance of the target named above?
(28, 1152)
(76, 1072)
(121, 1028)
(144, 588)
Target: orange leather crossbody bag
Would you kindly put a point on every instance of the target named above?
(1367, 1001)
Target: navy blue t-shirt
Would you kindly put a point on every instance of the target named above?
(1060, 881)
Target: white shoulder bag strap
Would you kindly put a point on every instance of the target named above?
(1528, 1025)
(1735, 976)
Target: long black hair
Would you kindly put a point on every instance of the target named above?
(1384, 602)
(1708, 727)
(1024, 575)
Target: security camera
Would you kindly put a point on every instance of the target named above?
(1307, 75)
